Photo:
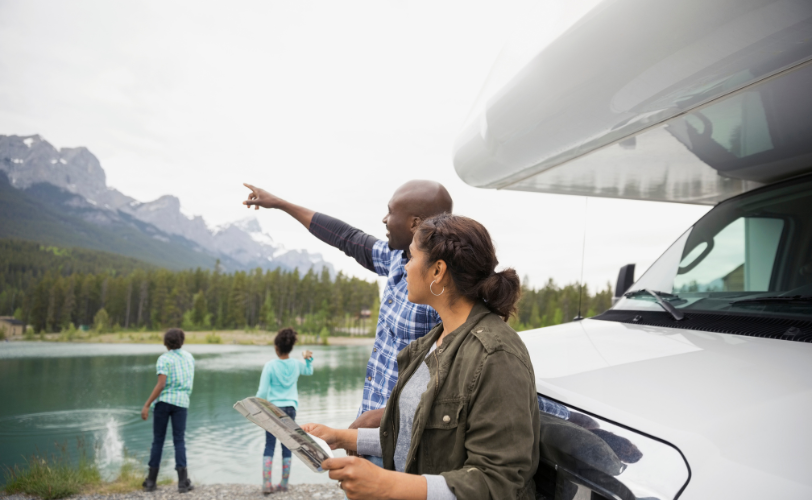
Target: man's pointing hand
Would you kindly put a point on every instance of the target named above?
(261, 198)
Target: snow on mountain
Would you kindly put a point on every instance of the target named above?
(29, 160)
(245, 241)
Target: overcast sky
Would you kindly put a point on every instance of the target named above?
(329, 104)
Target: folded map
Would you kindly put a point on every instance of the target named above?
(310, 449)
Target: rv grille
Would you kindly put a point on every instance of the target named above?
(796, 330)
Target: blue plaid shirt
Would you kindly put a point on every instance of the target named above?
(553, 408)
(399, 323)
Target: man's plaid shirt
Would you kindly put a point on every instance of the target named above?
(399, 323)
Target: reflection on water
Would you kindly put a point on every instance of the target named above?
(54, 393)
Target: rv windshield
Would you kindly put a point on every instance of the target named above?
(751, 254)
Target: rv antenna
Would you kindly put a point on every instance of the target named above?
(583, 254)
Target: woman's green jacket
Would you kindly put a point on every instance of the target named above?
(478, 423)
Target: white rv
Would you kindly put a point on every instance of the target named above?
(697, 384)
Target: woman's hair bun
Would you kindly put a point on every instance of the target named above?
(501, 292)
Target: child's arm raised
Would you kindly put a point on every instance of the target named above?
(307, 367)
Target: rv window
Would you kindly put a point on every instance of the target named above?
(751, 254)
(742, 258)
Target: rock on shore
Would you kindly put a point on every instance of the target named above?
(217, 492)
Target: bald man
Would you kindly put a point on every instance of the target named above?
(400, 321)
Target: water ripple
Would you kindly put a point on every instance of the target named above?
(67, 422)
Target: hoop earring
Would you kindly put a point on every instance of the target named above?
(432, 291)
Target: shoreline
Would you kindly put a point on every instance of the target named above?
(234, 337)
(211, 492)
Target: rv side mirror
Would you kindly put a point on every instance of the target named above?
(625, 279)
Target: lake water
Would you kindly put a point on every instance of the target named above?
(53, 393)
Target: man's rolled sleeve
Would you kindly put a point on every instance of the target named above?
(352, 241)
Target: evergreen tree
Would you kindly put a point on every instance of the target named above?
(143, 297)
(267, 314)
(128, 310)
(199, 309)
(237, 301)
(68, 305)
(160, 299)
(101, 321)
(53, 312)
(84, 299)
(172, 312)
(558, 316)
(39, 307)
(534, 321)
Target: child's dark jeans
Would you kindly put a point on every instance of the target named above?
(160, 419)
(270, 439)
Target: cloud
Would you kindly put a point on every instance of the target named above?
(331, 104)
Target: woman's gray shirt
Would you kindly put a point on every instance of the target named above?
(369, 441)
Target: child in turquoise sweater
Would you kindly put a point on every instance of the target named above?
(277, 384)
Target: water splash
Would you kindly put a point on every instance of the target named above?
(111, 450)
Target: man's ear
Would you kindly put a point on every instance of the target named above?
(415, 224)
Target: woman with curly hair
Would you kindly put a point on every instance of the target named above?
(278, 385)
(463, 419)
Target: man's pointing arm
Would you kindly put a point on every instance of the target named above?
(353, 242)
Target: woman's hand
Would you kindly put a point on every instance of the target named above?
(362, 480)
(145, 412)
(359, 478)
(336, 438)
(328, 434)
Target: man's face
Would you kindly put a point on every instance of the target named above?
(398, 225)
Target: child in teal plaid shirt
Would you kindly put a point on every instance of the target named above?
(170, 400)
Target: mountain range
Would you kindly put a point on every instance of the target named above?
(61, 196)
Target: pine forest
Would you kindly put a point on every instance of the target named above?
(55, 289)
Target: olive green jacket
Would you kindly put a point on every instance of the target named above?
(478, 423)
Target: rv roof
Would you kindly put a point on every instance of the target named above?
(690, 102)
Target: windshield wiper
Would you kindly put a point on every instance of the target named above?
(658, 296)
(795, 299)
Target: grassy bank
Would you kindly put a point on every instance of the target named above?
(59, 477)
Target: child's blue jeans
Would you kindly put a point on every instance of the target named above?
(160, 420)
(270, 439)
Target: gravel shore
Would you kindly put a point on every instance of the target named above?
(216, 492)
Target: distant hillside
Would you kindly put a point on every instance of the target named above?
(46, 214)
(24, 262)
(74, 181)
